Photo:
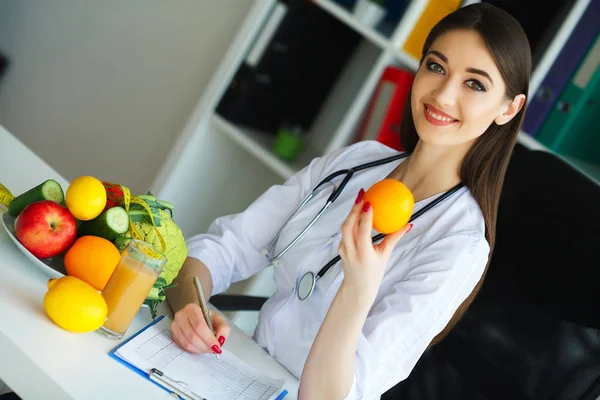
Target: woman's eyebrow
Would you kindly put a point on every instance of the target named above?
(440, 55)
(471, 70)
(482, 73)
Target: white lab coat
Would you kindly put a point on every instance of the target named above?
(431, 271)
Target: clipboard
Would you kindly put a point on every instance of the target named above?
(157, 377)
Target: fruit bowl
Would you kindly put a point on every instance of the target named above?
(52, 267)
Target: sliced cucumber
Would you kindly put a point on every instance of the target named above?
(47, 190)
(110, 224)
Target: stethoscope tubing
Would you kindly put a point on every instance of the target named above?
(334, 195)
(314, 278)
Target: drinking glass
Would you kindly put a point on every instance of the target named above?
(129, 285)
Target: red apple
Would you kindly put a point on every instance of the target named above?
(46, 228)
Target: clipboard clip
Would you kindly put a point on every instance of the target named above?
(175, 387)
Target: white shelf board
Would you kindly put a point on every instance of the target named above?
(531, 142)
(347, 18)
(368, 32)
(406, 60)
(260, 145)
(587, 168)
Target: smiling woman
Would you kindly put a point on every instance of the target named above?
(469, 93)
(368, 322)
(456, 90)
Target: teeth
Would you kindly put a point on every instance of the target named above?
(438, 117)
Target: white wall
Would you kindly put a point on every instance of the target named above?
(105, 87)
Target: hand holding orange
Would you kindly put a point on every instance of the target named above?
(392, 203)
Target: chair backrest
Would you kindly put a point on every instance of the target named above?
(533, 332)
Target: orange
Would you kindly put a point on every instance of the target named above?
(392, 204)
(93, 260)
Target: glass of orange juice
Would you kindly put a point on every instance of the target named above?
(133, 278)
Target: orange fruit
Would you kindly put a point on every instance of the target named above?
(392, 203)
(93, 260)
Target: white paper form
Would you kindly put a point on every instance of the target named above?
(227, 379)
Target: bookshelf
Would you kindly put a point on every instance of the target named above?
(336, 123)
(218, 167)
(590, 169)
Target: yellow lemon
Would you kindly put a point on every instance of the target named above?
(74, 305)
(86, 198)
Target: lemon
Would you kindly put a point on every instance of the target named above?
(74, 305)
(86, 198)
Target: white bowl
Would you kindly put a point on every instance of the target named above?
(52, 267)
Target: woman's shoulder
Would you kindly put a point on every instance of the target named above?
(460, 220)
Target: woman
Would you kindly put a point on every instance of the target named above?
(374, 313)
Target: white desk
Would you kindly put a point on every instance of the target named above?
(39, 360)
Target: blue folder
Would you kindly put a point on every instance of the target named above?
(575, 48)
(144, 374)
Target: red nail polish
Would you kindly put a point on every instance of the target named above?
(409, 228)
(221, 340)
(359, 198)
(366, 207)
(216, 349)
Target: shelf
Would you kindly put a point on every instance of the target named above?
(367, 32)
(259, 144)
(589, 169)
(347, 18)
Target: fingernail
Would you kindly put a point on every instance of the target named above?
(366, 207)
(221, 340)
(409, 228)
(359, 198)
(216, 349)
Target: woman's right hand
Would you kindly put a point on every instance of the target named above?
(191, 332)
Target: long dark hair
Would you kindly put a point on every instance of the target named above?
(484, 166)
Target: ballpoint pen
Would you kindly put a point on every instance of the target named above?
(204, 306)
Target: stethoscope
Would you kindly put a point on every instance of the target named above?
(306, 285)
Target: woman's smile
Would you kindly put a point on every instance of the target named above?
(437, 117)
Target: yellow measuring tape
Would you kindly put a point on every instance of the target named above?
(5, 195)
(128, 200)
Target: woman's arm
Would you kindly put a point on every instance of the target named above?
(347, 361)
(329, 369)
(184, 292)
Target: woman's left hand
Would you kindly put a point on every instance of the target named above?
(363, 262)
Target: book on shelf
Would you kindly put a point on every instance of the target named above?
(434, 11)
(384, 112)
(572, 127)
(558, 76)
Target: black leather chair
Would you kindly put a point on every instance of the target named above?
(533, 332)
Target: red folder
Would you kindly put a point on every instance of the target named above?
(384, 113)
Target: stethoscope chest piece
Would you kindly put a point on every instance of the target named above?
(306, 285)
